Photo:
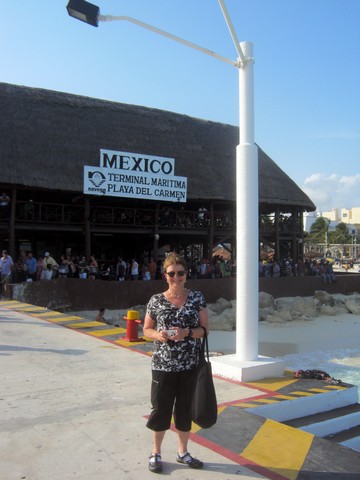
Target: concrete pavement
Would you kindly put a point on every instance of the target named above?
(74, 406)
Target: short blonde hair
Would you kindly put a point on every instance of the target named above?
(174, 258)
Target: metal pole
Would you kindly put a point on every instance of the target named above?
(247, 213)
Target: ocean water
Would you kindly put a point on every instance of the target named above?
(342, 364)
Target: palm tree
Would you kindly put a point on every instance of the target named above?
(319, 230)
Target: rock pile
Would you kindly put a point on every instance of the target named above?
(222, 314)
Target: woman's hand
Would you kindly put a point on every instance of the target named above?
(180, 334)
(162, 336)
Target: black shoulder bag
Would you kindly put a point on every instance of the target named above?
(203, 405)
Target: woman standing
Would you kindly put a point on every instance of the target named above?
(175, 320)
(93, 268)
(39, 267)
(82, 267)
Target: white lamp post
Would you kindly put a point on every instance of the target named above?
(245, 365)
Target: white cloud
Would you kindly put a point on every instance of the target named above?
(350, 182)
(333, 191)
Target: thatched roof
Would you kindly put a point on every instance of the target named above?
(47, 137)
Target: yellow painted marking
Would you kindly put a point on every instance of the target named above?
(70, 318)
(46, 314)
(304, 394)
(194, 428)
(8, 302)
(272, 384)
(279, 448)
(125, 343)
(244, 405)
(336, 387)
(265, 400)
(221, 409)
(108, 346)
(319, 390)
(285, 397)
(20, 305)
(110, 331)
(84, 324)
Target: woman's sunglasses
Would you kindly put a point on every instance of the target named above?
(181, 273)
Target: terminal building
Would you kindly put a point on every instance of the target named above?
(89, 176)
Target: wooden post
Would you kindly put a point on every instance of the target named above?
(12, 223)
(87, 228)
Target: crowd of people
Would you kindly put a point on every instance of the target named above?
(28, 268)
(46, 267)
(286, 267)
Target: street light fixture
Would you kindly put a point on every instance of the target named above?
(245, 365)
(84, 11)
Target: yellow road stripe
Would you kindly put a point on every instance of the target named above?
(32, 309)
(279, 448)
(336, 387)
(125, 343)
(272, 384)
(84, 324)
(303, 394)
(285, 397)
(110, 331)
(19, 305)
(243, 404)
(70, 318)
(319, 390)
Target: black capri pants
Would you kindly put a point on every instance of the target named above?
(170, 393)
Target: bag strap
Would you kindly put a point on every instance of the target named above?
(204, 344)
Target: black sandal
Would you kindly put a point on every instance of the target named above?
(155, 463)
(190, 461)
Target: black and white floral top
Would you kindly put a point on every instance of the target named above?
(176, 356)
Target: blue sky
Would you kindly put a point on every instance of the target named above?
(307, 72)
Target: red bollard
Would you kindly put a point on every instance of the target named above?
(132, 322)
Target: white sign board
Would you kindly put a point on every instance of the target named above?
(131, 175)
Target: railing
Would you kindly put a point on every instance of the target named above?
(63, 214)
(49, 213)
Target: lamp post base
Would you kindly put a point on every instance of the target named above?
(229, 366)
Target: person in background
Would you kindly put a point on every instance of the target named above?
(93, 268)
(152, 268)
(100, 316)
(82, 267)
(145, 273)
(175, 320)
(20, 268)
(134, 270)
(50, 266)
(6, 268)
(31, 266)
(72, 266)
(63, 267)
(39, 267)
(120, 269)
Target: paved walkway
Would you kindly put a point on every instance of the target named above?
(74, 406)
